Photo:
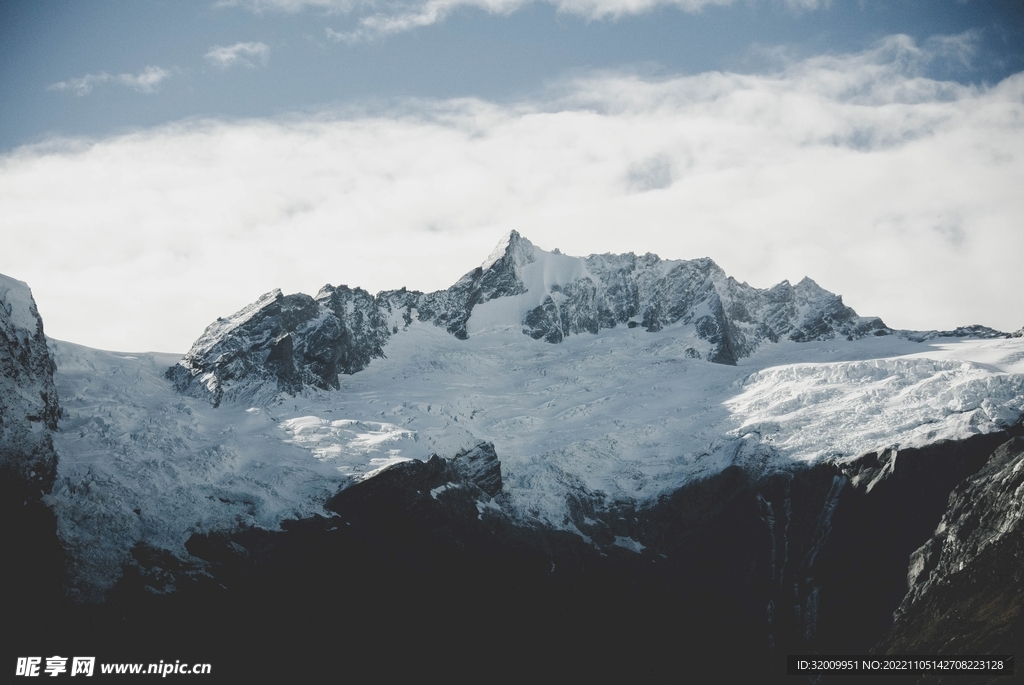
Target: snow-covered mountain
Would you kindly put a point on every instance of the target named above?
(291, 342)
(281, 404)
(614, 416)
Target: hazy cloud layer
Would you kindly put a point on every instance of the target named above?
(245, 54)
(900, 192)
(146, 81)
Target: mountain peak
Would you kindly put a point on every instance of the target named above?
(513, 248)
(808, 283)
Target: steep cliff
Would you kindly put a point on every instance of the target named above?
(28, 398)
(966, 582)
(33, 560)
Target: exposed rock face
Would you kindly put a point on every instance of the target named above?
(982, 510)
(282, 344)
(734, 317)
(28, 398)
(975, 331)
(498, 276)
(479, 466)
(966, 582)
(475, 472)
(285, 343)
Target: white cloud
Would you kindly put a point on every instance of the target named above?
(381, 17)
(292, 5)
(586, 7)
(82, 85)
(146, 81)
(898, 191)
(248, 54)
(959, 48)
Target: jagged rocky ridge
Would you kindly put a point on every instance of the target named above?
(284, 343)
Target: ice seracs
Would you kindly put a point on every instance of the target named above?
(814, 411)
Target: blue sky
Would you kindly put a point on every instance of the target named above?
(164, 163)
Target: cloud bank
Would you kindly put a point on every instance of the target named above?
(245, 54)
(897, 191)
(146, 81)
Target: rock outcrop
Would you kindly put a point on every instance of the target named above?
(965, 582)
(33, 560)
(28, 398)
